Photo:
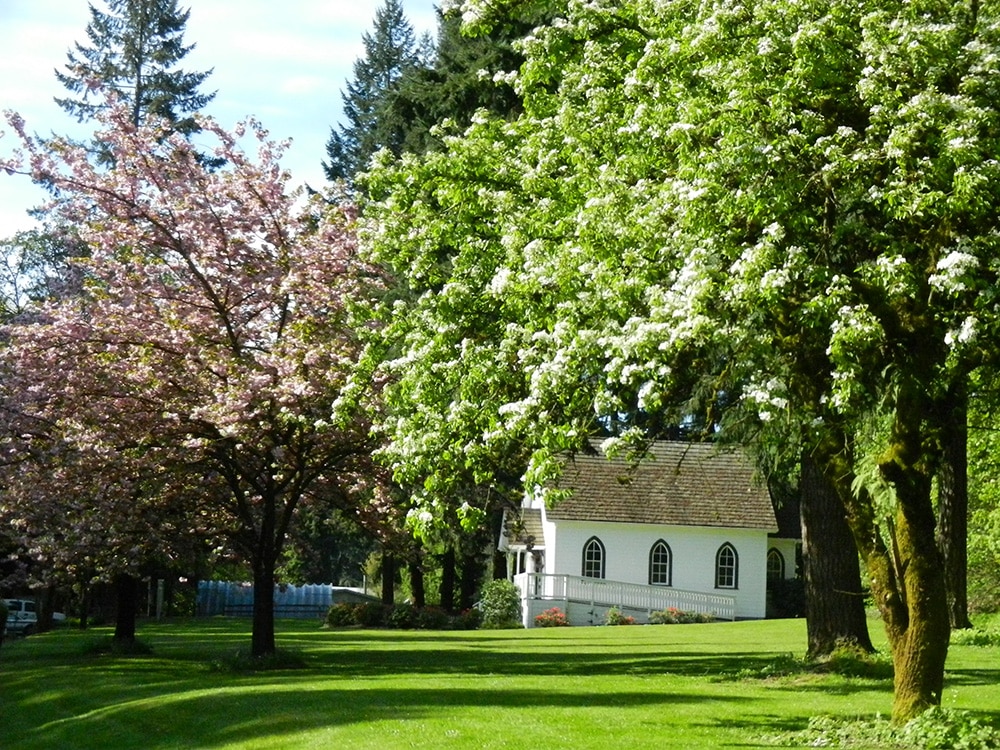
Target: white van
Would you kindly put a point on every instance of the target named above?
(22, 617)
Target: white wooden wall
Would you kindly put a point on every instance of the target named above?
(694, 548)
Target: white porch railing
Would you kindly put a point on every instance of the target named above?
(631, 596)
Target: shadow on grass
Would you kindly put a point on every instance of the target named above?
(366, 677)
(258, 712)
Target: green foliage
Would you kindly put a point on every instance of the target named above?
(391, 55)
(134, 49)
(469, 619)
(432, 618)
(371, 614)
(786, 597)
(984, 502)
(936, 729)
(851, 660)
(323, 545)
(674, 616)
(500, 604)
(401, 617)
(976, 637)
(615, 617)
(342, 615)
(552, 618)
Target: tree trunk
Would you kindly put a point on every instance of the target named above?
(471, 573)
(919, 634)
(262, 641)
(416, 571)
(84, 605)
(127, 601)
(953, 508)
(447, 589)
(835, 606)
(903, 561)
(45, 609)
(388, 578)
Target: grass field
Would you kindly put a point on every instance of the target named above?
(675, 686)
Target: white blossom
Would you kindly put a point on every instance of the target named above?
(952, 270)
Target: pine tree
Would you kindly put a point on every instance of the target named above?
(391, 54)
(467, 74)
(134, 49)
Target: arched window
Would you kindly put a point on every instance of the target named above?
(660, 560)
(727, 567)
(593, 558)
(775, 565)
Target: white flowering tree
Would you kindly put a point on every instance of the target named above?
(792, 203)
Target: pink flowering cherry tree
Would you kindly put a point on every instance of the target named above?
(213, 334)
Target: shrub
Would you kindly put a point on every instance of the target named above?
(402, 617)
(674, 616)
(370, 614)
(470, 619)
(935, 729)
(973, 637)
(666, 616)
(551, 618)
(615, 617)
(431, 618)
(500, 605)
(342, 615)
(786, 597)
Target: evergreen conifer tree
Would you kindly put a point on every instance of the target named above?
(372, 123)
(135, 48)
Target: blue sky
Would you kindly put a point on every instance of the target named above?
(283, 61)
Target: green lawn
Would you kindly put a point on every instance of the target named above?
(677, 686)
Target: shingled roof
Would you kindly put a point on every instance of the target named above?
(524, 528)
(677, 484)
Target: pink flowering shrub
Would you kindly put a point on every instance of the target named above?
(674, 616)
(615, 617)
(551, 618)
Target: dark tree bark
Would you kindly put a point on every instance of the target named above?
(835, 606)
(953, 507)
(127, 598)
(388, 578)
(471, 571)
(262, 642)
(45, 609)
(447, 589)
(416, 571)
(84, 605)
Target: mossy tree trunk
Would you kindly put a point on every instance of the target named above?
(900, 553)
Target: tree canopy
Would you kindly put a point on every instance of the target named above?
(135, 48)
(791, 203)
(212, 334)
(371, 120)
